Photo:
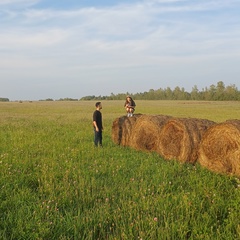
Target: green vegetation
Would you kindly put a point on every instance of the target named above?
(4, 99)
(55, 185)
(213, 93)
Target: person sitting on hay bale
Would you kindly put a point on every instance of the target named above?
(129, 106)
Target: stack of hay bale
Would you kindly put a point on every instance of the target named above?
(214, 146)
(219, 150)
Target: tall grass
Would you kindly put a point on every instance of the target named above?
(55, 185)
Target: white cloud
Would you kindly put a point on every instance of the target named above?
(126, 41)
(18, 3)
(26, 39)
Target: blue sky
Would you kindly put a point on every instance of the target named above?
(68, 48)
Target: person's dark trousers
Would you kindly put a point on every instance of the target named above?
(97, 138)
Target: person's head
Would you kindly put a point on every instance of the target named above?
(98, 105)
(128, 98)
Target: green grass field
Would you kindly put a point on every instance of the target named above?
(55, 185)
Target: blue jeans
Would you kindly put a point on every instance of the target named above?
(97, 138)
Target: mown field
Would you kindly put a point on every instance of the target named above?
(55, 185)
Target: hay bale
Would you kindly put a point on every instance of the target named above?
(219, 150)
(117, 130)
(122, 128)
(180, 137)
(146, 132)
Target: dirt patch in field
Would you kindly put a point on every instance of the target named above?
(196, 102)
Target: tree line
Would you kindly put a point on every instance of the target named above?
(4, 99)
(220, 92)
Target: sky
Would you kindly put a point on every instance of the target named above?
(76, 48)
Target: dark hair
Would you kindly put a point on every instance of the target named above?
(97, 104)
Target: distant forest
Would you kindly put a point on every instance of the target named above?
(4, 100)
(220, 92)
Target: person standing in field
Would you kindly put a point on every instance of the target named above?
(97, 124)
(129, 106)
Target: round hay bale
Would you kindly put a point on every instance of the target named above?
(121, 129)
(117, 130)
(146, 132)
(179, 138)
(219, 150)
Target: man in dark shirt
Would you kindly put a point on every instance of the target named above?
(97, 124)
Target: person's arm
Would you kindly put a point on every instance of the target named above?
(95, 125)
(95, 121)
(132, 104)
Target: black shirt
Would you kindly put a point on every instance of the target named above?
(97, 117)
